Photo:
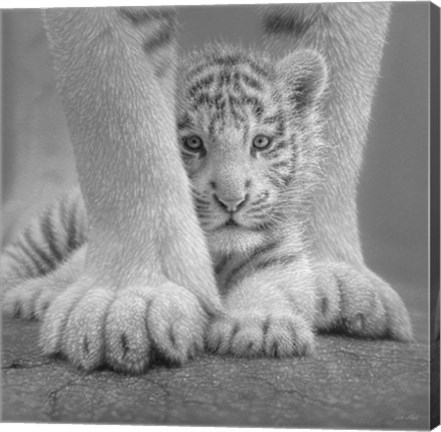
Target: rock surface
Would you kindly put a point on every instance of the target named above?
(347, 384)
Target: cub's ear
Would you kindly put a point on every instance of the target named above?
(303, 77)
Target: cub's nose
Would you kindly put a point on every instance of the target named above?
(231, 205)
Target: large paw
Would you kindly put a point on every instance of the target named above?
(274, 333)
(123, 329)
(359, 303)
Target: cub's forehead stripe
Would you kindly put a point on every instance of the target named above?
(230, 62)
(220, 99)
(218, 119)
(224, 78)
(250, 81)
(234, 60)
(202, 83)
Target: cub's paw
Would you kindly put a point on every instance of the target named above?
(273, 333)
(362, 304)
(124, 329)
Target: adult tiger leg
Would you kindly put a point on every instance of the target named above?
(351, 37)
(147, 285)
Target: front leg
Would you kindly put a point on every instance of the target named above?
(268, 313)
(147, 280)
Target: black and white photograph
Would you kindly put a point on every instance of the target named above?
(221, 215)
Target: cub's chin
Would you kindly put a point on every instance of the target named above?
(228, 240)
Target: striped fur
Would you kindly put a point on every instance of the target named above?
(47, 242)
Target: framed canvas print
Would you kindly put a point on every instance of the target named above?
(221, 215)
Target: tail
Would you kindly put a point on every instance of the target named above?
(47, 241)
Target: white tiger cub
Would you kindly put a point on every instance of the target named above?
(250, 134)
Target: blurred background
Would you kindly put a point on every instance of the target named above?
(38, 165)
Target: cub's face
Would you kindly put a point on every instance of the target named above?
(241, 122)
(237, 150)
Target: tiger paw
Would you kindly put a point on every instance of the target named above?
(272, 333)
(359, 303)
(124, 329)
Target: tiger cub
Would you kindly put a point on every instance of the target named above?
(250, 136)
(250, 132)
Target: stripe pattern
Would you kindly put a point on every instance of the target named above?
(271, 254)
(49, 240)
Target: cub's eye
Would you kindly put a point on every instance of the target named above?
(193, 143)
(261, 142)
